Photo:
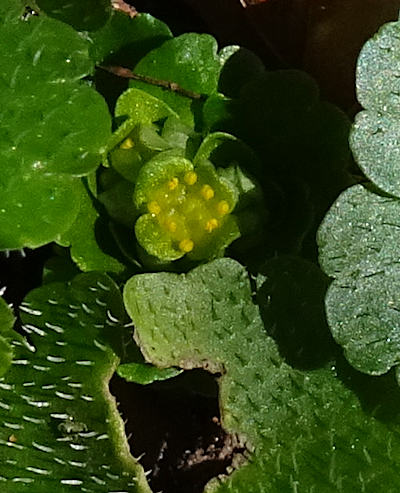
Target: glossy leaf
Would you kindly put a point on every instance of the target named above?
(189, 60)
(53, 129)
(85, 15)
(133, 37)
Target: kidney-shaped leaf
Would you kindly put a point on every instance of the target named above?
(299, 428)
(60, 428)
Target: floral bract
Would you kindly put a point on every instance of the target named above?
(187, 209)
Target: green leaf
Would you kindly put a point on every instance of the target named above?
(303, 430)
(145, 374)
(53, 129)
(375, 137)
(136, 107)
(85, 238)
(7, 320)
(87, 15)
(359, 237)
(59, 268)
(49, 50)
(291, 299)
(239, 66)
(130, 39)
(358, 242)
(60, 426)
(11, 10)
(156, 172)
(189, 60)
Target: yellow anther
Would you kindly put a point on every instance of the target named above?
(207, 192)
(127, 144)
(171, 226)
(173, 183)
(211, 225)
(190, 177)
(223, 207)
(186, 245)
(153, 208)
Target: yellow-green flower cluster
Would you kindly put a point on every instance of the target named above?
(186, 209)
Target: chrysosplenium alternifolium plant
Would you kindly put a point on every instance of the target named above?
(183, 203)
(186, 209)
(173, 181)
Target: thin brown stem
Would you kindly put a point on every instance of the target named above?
(165, 84)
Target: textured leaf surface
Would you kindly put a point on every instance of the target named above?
(358, 242)
(53, 128)
(308, 429)
(359, 238)
(60, 429)
(376, 133)
(6, 324)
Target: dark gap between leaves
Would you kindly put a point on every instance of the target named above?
(176, 430)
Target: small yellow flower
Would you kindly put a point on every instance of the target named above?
(223, 207)
(153, 208)
(211, 225)
(207, 192)
(173, 183)
(190, 178)
(127, 144)
(186, 245)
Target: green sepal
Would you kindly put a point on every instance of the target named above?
(156, 172)
(224, 187)
(215, 247)
(136, 107)
(145, 374)
(155, 240)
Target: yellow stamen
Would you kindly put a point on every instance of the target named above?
(207, 192)
(127, 144)
(190, 177)
(171, 226)
(173, 183)
(153, 208)
(186, 245)
(211, 225)
(223, 207)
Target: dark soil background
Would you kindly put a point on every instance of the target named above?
(177, 429)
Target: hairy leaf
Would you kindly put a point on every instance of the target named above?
(53, 129)
(358, 246)
(60, 428)
(304, 431)
(6, 324)
(359, 237)
(375, 137)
